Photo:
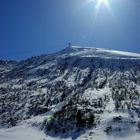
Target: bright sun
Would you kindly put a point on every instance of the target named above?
(101, 2)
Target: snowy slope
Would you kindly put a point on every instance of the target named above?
(25, 132)
(77, 93)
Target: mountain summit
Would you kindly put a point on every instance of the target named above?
(72, 92)
(99, 52)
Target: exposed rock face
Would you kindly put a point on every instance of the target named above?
(80, 87)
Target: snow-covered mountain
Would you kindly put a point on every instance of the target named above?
(6, 66)
(77, 93)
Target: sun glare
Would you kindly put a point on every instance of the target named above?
(102, 2)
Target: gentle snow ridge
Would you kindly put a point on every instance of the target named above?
(99, 52)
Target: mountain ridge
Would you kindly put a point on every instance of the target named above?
(74, 49)
(103, 52)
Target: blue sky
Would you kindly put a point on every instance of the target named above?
(34, 27)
